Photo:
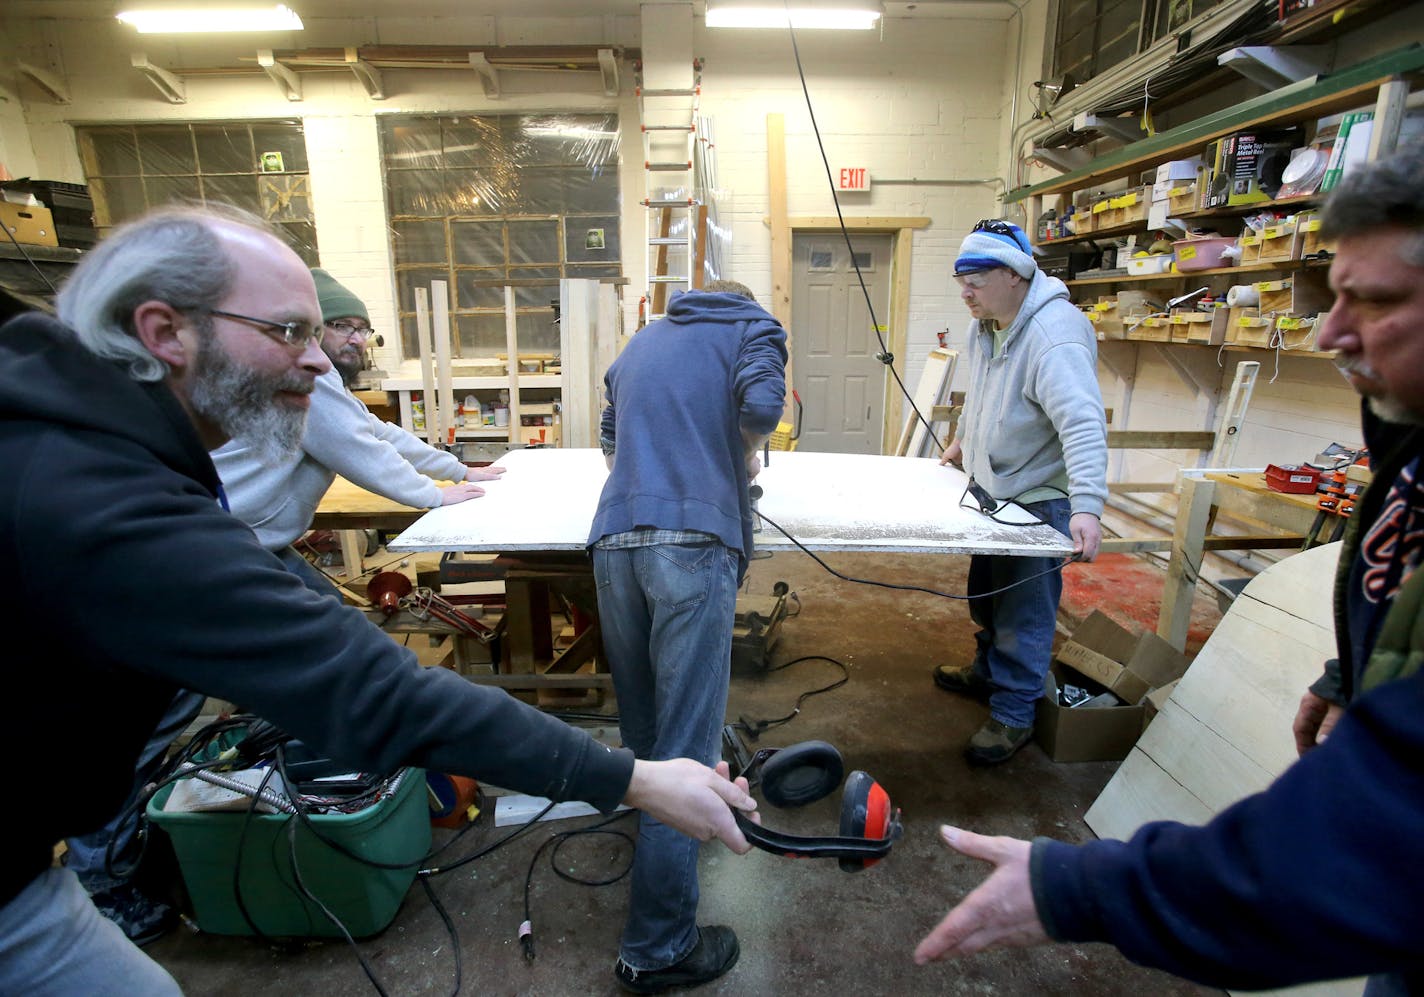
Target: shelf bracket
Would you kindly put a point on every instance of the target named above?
(608, 66)
(1066, 160)
(489, 76)
(173, 89)
(46, 81)
(1198, 384)
(1124, 372)
(1273, 67)
(288, 82)
(1126, 129)
(368, 74)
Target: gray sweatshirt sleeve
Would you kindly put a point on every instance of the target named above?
(340, 436)
(1068, 390)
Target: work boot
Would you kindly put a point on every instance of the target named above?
(138, 915)
(715, 953)
(995, 742)
(965, 681)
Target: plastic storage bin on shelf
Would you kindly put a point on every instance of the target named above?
(365, 898)
(1140, 266)
(1202, 254)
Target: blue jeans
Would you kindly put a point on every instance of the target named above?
(666, 614)
(1016, 628)
(55, 943)
(86, 857)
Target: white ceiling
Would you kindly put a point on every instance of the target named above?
(97, 9)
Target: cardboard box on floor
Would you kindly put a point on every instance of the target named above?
(1113, 659)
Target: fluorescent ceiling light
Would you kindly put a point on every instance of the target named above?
(858, 14)
(174, 20)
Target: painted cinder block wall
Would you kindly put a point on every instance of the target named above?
(928, 100)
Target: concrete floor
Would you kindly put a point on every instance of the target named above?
(805, 927)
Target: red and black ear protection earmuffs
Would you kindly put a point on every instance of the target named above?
(806, 772)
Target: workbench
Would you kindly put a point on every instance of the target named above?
(1242, 495)
(537, 517)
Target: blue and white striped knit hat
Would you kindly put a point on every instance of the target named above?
(984, 249)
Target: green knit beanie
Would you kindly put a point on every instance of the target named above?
(336, 301)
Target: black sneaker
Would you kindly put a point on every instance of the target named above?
(716, 952)
(995, 742)
(965, 681)
(138, 915)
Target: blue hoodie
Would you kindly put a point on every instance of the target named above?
(680, 396)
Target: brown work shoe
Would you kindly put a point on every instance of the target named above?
(965, 681)
(995, 742)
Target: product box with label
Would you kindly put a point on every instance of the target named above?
(1253, 163)
(28, 223)
(1109, 658)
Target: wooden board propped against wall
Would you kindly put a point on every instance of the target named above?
(1225, 731)
(933, 389)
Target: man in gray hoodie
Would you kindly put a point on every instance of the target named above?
(1032, 433)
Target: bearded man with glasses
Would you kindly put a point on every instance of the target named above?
(177, 331)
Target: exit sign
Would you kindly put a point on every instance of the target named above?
(853, 178)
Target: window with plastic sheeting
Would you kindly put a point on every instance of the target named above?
(257, 165)
(486, 201)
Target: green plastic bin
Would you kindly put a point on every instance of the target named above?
(365, 898)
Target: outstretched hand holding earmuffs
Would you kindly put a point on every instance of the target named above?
(804, 773)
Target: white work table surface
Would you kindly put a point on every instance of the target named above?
(855, 502)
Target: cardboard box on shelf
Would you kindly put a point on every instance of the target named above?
(1179, 169)
(1102, 655)
(29, 224)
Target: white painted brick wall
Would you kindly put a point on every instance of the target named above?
(927, 100)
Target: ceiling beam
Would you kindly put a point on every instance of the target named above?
(46, 81)
(173, 89)
(288, 82)
(368, 74)
(489, 76)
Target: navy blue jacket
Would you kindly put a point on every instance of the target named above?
(679, 397)
(1321, 876)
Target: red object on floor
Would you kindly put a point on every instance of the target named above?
(1128, 588)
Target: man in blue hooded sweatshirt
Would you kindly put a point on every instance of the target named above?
(690, 401)
(1032, 433)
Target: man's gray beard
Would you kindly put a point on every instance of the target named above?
(243, 402)
(1388, 408)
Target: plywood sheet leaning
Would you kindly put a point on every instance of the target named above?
(1225, 732)
(932, 390)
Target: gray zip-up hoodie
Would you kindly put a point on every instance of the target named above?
(1035, 410)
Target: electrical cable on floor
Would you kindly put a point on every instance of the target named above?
(755, 728)
(558, 840)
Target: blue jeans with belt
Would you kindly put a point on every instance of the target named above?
(666, 614)
(1016, 628)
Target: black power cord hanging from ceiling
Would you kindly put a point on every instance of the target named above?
(884, 356)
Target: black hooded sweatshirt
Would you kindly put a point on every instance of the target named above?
(130, 582)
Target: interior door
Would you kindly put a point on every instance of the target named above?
(834, 347)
